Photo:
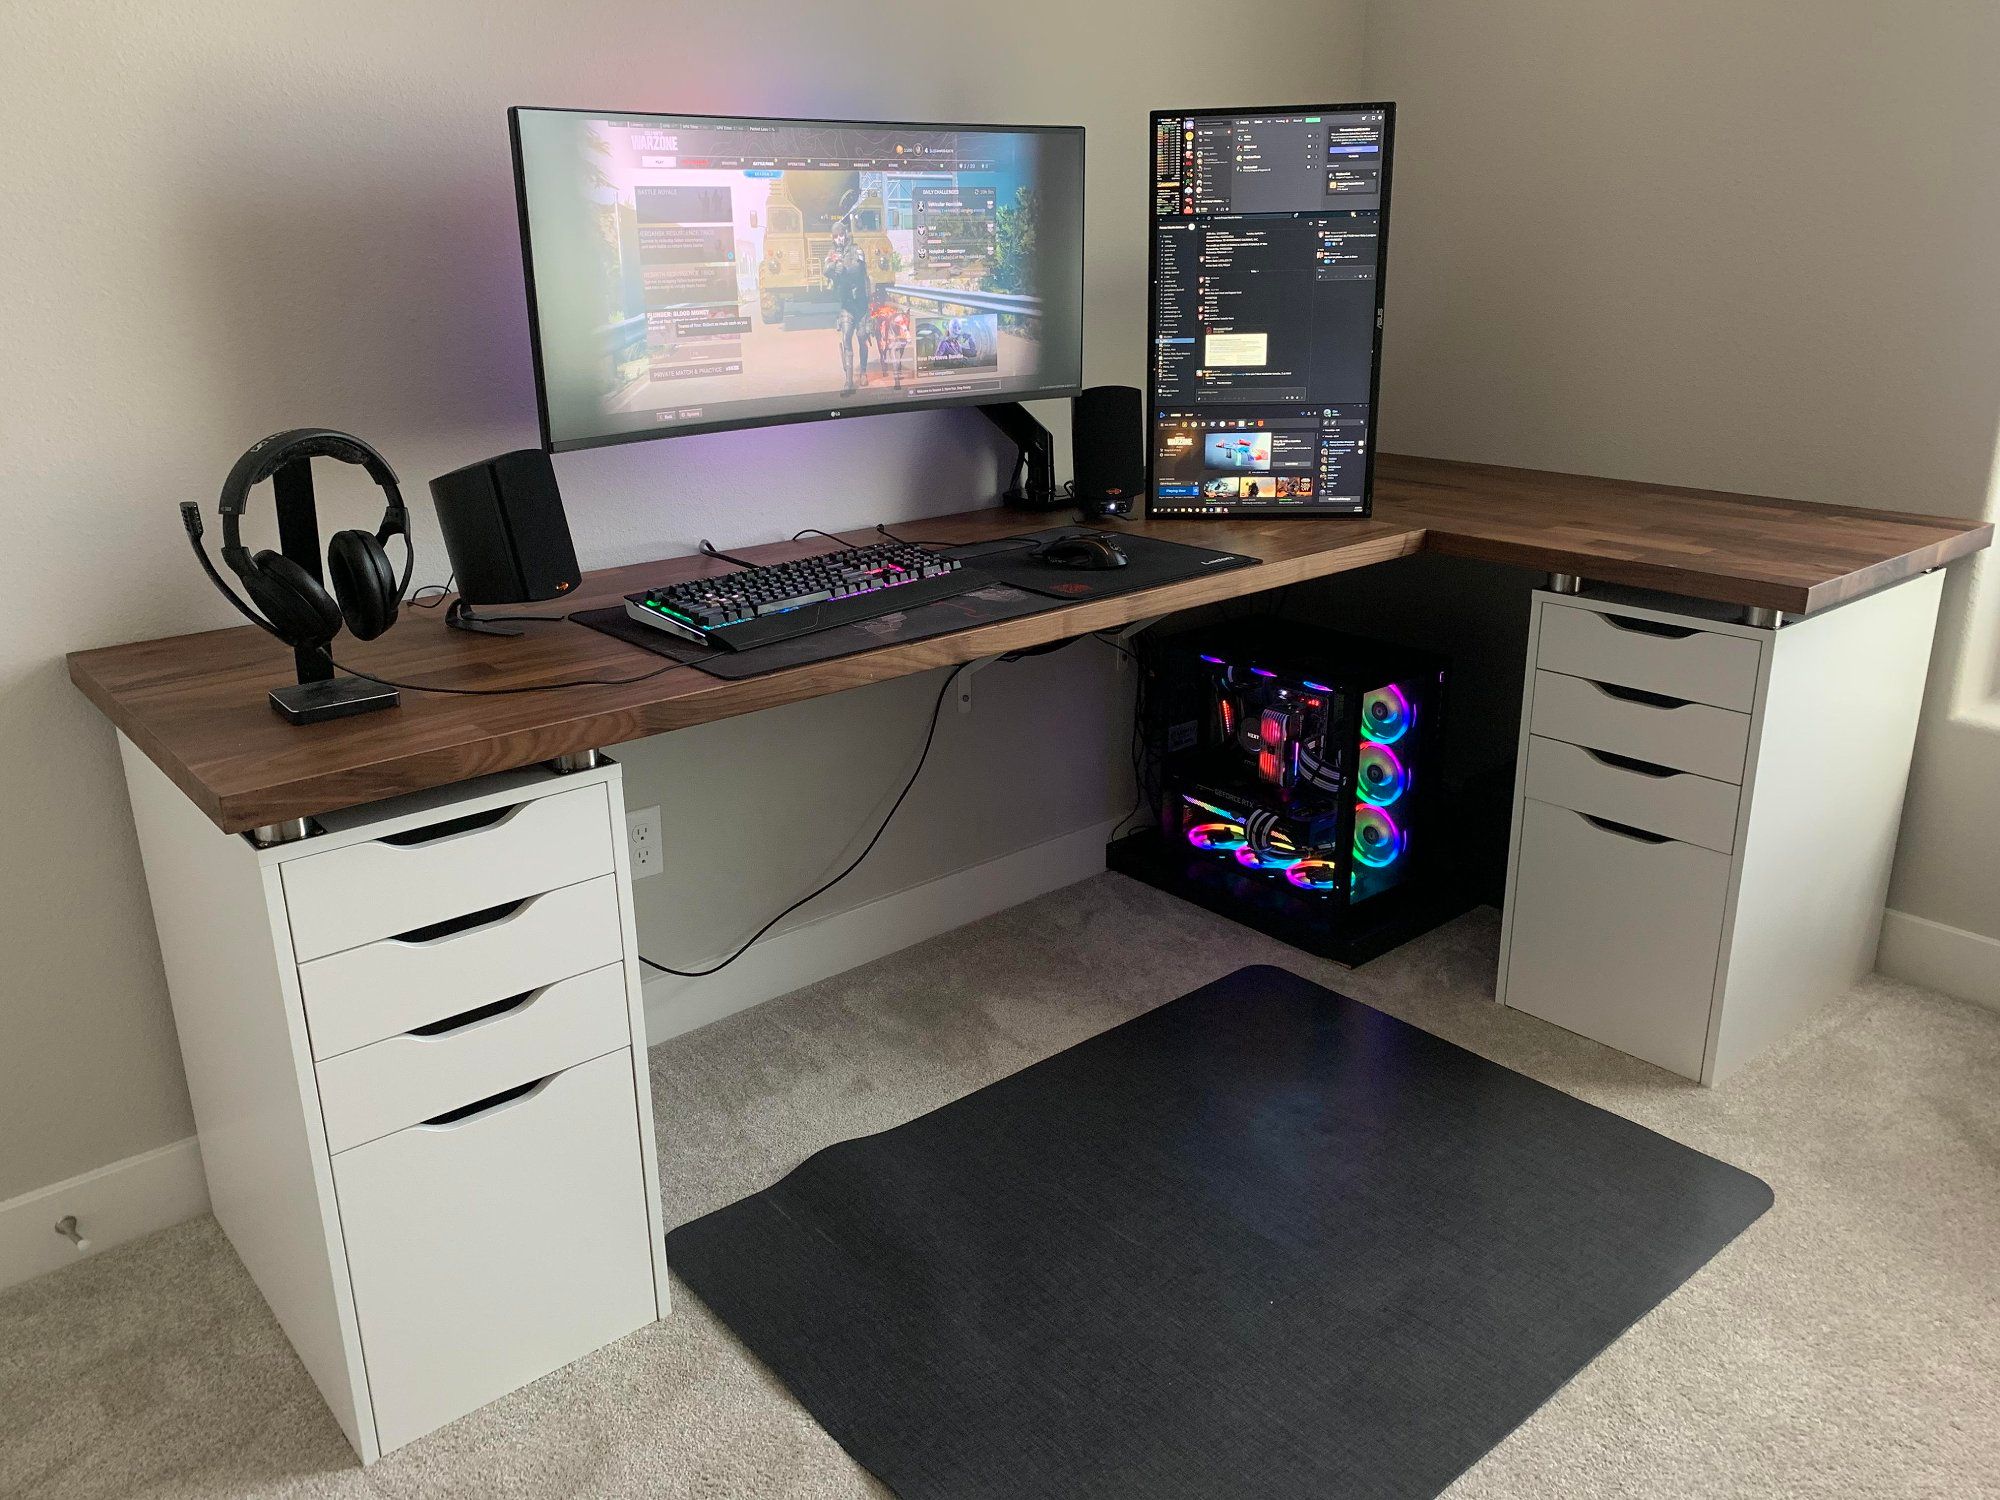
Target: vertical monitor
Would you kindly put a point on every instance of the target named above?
(1268, 227)
(689, 273)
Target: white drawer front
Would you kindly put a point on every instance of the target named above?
(494, 1249)
(1679, 804)
(373, 1090)
(385, 989)
(1689, 737)
(1616, 938)
(350, 896)
(1700, 665)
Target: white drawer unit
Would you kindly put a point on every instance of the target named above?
(1628, 721)
(1696, 665)
(1704, 816)
(1678, 804)
(1620, 935)
(373, 1090)
(417, 1057)
(492, 1247)
(389, 987)
(446, 868)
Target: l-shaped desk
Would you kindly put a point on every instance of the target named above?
(409, 1001)
(196, 705)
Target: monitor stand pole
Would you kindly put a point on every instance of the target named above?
(1033, 486)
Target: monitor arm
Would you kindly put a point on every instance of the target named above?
(1033, 485)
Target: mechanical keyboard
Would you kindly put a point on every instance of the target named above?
(759, 605)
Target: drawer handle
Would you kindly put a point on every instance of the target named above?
(1625, 830)
(474, 1016)
(492, 916)
(1631, 763)
(466, 1113)
(1649, 627)
(1639, 695)
(451, 828)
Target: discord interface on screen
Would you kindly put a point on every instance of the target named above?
(1265, 269)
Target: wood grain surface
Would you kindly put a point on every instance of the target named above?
(196, 704)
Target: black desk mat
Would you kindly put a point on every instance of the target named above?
(981, 606)
(1019, 585)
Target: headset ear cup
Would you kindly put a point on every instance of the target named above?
(292, 599)
(363, 581)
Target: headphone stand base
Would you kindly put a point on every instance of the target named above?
(340, 698)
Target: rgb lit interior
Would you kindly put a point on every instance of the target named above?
(1282, 724)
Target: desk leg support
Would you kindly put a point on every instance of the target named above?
(1122, 640)
(577, 760)
(1565, 583)
(965, 675)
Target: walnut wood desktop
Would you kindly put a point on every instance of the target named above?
(196, 704)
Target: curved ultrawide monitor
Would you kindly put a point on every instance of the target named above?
(691, 273)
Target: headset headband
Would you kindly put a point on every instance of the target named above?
(267, 456)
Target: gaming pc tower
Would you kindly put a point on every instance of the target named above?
(1294, 779)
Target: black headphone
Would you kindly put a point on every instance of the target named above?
(289, 602)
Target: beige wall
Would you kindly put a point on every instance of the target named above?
(1741, 244)
(222, 220)
(1737, 243)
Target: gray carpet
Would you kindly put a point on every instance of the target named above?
(1847, 1345)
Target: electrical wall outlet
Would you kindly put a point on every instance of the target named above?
(642, 841)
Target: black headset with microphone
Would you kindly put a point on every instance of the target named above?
(285, 598)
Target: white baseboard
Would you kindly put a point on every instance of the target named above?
(1948, 959)
(113, 1204)
(841, 940)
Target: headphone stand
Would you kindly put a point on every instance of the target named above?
(331, 697)
(298, 539)
(318, 694)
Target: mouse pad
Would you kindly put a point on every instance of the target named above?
(1152, 563)
(992, 600)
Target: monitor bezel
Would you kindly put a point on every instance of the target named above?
(835, 413)
(1267, 512)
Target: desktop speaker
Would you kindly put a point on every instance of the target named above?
(505, 529)
(1108, 434)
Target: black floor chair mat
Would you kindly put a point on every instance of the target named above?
(1263, 1242)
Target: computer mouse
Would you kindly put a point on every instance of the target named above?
(1090, 551)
